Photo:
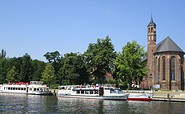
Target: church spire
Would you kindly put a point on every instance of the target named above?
(151, 22)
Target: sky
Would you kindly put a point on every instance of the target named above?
(40, 26)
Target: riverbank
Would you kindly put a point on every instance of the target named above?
(175, 96)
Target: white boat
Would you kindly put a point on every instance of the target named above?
(139, 95)
(91, 92)
(32, 88)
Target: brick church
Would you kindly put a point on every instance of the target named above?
(165, 63)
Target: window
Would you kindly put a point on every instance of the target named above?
(96, 92)
(164, 67)
(78, 92)
(172, 68)
(91, 92)
(82, 92)
(158, 68)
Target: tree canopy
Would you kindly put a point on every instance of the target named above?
(48, 75)
(129, 64)
(99, 59)
(100, 63)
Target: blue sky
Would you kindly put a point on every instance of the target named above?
(40, 26)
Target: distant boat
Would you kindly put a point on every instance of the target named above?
(139, 95)
(91, 92)
(32, 88)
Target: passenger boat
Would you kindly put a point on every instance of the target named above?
(91, 92)
(32, 88)
(139, 95)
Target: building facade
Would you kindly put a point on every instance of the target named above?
(165, 62)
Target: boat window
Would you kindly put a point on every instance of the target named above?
(120, 91)
(86, 92)
(91, 92)
(112, 91)
(37, 89)
(62, 88)
(82, 92)
(96, 92)
(41, 89)
(34, 89)
(78, 92)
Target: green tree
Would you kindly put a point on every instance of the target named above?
(3, 53)
(11, 75)
(3, 69)
(48, 75)
(26, 68)
(38, 68)
(129, 64)
(99, 59)
(73, 70)
(54, 58)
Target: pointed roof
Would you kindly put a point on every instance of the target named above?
(151, 22)
(168, 45)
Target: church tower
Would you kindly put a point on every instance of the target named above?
(151, 49)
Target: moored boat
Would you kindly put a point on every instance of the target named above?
(139, 95)
(91, 92)
(32, 88)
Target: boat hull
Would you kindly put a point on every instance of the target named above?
(96, 97)
(140, 97)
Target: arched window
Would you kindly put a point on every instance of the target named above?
(158, 68)
(172, 68)
(164, 67)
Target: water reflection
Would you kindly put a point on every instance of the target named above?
(91, 106)
(10, 103)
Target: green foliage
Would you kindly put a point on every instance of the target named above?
(73, 70)
(93, 66)
(52, 56)
(25, 69)
(38, 68)
(48, 75)
(3, 53)
(3, 69)
(11, 75)
(129, 63)
(55, 58)
(99, 59)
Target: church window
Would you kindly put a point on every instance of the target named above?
(164, 67)
(158, 68)
(172, 68)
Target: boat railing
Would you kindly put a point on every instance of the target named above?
(138, 91)
(67, 87)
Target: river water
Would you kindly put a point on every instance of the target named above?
(11, 103)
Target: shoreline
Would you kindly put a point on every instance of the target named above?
(171, 96)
